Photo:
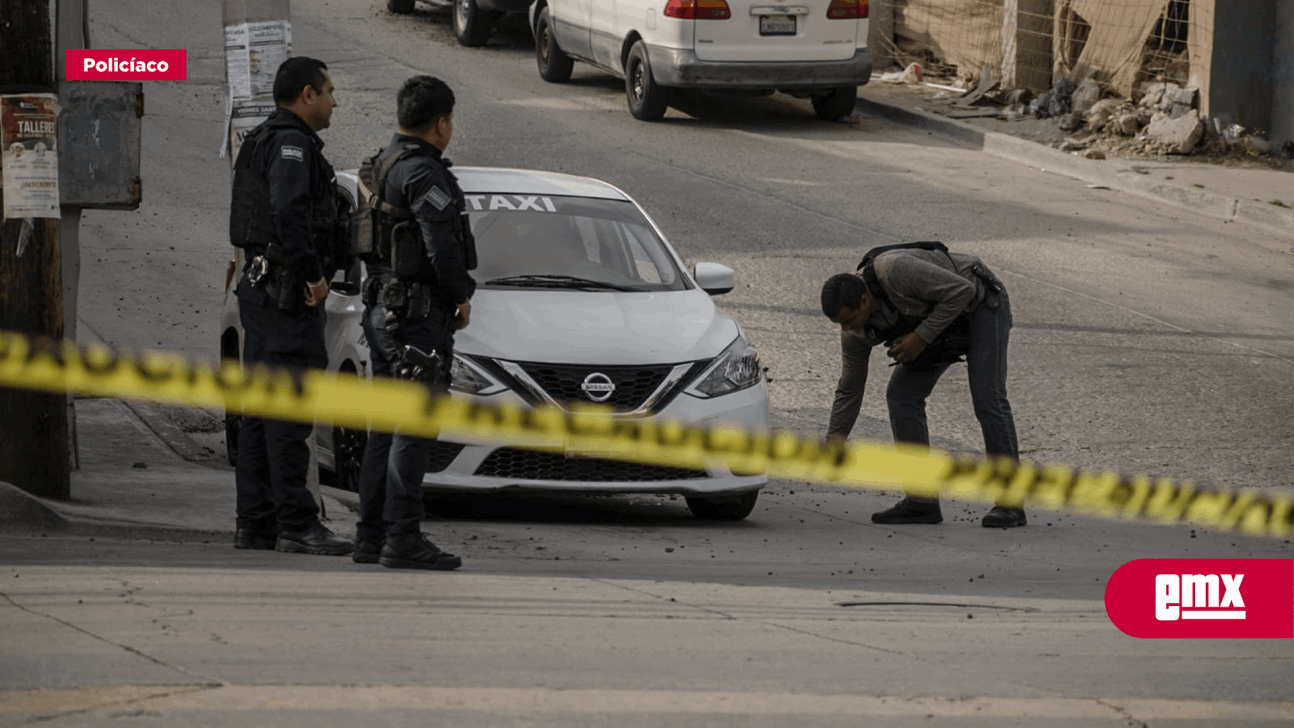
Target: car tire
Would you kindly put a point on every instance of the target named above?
(647, 99)
(471, 24)
(723, 508)
(400, 7)
(347, 458)
(233, 423)
(554, 65)
(837, 104)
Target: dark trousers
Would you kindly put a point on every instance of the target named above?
(273, 456)
(990, 331)
(390, 478)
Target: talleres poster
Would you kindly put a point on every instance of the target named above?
(28, 134)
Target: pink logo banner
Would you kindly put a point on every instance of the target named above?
(1203, 598)
(141, 64)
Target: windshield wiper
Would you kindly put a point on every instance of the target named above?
(555, 281)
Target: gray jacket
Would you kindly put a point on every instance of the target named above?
(926, 284)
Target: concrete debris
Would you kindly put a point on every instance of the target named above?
(1087, 95)
(1174, 135)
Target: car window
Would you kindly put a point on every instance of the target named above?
(607, 241)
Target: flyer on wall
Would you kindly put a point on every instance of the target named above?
(28, 130)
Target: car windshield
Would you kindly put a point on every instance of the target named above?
(574, 243)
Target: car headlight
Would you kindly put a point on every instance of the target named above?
(735, 369)
(468, 377)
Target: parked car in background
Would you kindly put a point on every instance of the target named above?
(815, 48)
(580, 299)
(472, 18)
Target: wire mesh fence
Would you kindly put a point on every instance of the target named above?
(1034, 43)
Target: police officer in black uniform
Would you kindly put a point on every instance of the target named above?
(417, 295)
(284, 215)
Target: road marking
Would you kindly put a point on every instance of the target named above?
(547, 700)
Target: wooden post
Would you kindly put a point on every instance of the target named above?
(33, 425)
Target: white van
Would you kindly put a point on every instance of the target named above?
(812, 48)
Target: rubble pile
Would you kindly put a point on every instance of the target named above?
(1162, 118)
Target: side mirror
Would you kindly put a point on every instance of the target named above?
(713, 278)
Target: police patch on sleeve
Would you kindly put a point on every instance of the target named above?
(437, 197)
(296, 154)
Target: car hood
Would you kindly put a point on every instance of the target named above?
(577, 327)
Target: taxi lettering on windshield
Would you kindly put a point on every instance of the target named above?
(517, 203)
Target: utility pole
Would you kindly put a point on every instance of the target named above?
(33, 425)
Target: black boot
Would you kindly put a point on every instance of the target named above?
(911, 510)
(414, 551)
(1004, 517)
(366, 551)
(253, 538)
(316, 539)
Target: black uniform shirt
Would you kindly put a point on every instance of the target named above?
(423, 183)
(301, 184)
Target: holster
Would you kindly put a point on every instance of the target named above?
(416, 365)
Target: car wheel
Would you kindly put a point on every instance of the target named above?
(347, 457)
(471, 24)
(723, 508)
(837, 104)
(233, 423)
(400, 7)
(647, 99)
(554, 65)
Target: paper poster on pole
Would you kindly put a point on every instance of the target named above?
(253, 53)
(28, 132)
(246, 115)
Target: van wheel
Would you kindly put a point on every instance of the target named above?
(647, 99)
(400, 7)
(723, 508)
(837, 104)
(554, 65)
(471, 24)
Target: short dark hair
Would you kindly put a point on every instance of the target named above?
(422, 101)
(842, 289)
(294, 75)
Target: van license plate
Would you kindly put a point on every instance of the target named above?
(777, 25)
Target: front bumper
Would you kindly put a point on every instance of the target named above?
(682, 69)
(484, 467)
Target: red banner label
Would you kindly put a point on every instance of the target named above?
(141, 64)
(1209, 598)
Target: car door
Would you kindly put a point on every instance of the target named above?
(570, 21)
(759, 30)
(604, 36)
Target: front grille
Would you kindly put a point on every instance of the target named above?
(633, 384)
(441, 454)
(509, 462)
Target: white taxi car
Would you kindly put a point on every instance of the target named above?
(811, 48)
(580, 299)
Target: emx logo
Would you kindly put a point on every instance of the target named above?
(1218, 598)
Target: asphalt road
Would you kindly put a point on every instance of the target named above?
(1146, 339)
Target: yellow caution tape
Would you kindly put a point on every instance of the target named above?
(385, 405)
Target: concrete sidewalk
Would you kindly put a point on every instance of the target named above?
(1230, 194)
(143, 477)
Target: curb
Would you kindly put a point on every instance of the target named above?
(1228, 209)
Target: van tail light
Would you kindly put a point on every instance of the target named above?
(698, 9)
(847, 9)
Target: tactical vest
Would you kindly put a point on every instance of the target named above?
(383, 232)
(952, 344)
(251, 223)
